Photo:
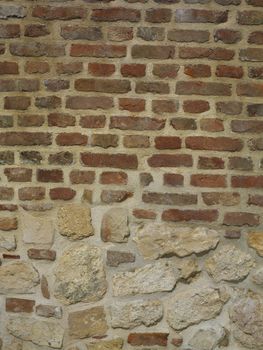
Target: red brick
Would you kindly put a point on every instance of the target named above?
(148, 339)
(255, 38)
(251, 55)
(166, 70)
(120, 33)
(30, 120)
(174, 180)
(204, 180)
(243, 181)
(153, 52)
(87, 50)
(227, 36)
(136, 123)
(254, 2)
(250, 89)
(241, 219)
(229, 107)
(39, 67)
(25, 138)
(8, 207)
(168, 142)
(203, 88)
(101, 69)
(6, 193)
(58, 12)
(153, 87)
(102, 85)
(136, 141)
(37, 49)
(93, 121)
(217, 53)
(221, 198)
(18, 174)
(239, 163)
(164, 106)
(50, 102)
(88, 102)
(210, 163)
(255, 72)
(183, 123)
(6, 121)
(56, 84)
(132, 104)
(104, 140)
(49, 175)
(82, 177)
(8, 68)
(8, 224)
(31, 193)
(60, 158)
(61, 120)
(62, 193)
(108, 196)
(221, 143)
(113, 178)
(41, 254)
(117, 160)
(177, 199)
(253, 126)
(71, 139)
(133, 70)
(256, 144)
(190, 215)
(197, 70)
(77, 32)
(36, 30)
(196, 106)
(188, 35)
(114, 14)
(158, 15)
(255, 199)
(19, 305)
(250, 17)
(8, 31)
(229, 72)
(17, 102)
(144, 214)
(69, 68)
(170, 160)
(212, 124)
(200, 16)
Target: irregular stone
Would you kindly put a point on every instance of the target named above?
(135, 313)
(36, 230)
(41, 254)
(195, 305)
(7, 11)
(207, 339)
(255, 241)
(247, 317)
(88, 323)
(18, 278)
(257, 276)
(115, 344)
(115, 258)
(188, 268)
(74, 221)
(229, 264)
(156, 240)
(44, 333)
(44, 287)
(7, 241)
(80, 275)
(114, 226)
(158, 277)
(49, 311)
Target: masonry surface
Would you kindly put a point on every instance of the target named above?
(131, 138)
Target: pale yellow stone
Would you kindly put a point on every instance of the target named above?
(255, 241)
(115, 344)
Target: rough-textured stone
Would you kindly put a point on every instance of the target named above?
(18, 277)
(49, 311)
(195, 305)
(255, 241)
(7, 241)
(43, 333)
(229, 264)
(115, 258)
(36, 230)
(257, 276)
(135, 313)
(115, 344)
(156, 240)
(247, 317)
(74, 221)
(157, 277)
(114, 226)
(80, 275)
(88, 323)
(207, 339)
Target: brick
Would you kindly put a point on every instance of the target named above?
(251, 55)
(23, 138)
(203, 88)
(216, 53)
(31, 193)
(133, 70)
(255, 110)
(212, 124)
(101, 69)
(177, 199)
(170, 160)
(254, 2)
(36, 30)
(12, 11)
(153, 52)
(253, 126)
(227, 36)
(154, 87)
(114, 14)
(30, 157)
(239, 163)
(255, 38)
(196, 106)
(60, 158)
(17, 102)
(210, 163)
(243, 181)
(188, 35)
(41, 254)
(61, 120)
(37, 49)
(144, 214)
(82, 177)
(120, 33)
(69, 68)
(256, 144)
(229, 108)
(62, 193)
(56, 84)
(19, 305)
(164, 106)
(197, 70)
(104, 140)
(175, 180)
(102, 51)
(151, 33)
(6, 121)
(115, 258)
(136, 141)
(229, 72)
(109, 197)
(8, 224)
(136, 123)
(8, 68)
(6, 193)
(255, 199)
(117, 160)
(221, 143)
(250, 17)
(30, 120)
(58, 12)
(18, 174)
(158, 15)
(255, 72)
(148, 339)
(93, 121)
(8, 207)
(75, 32)
(221, 198)
(178, 215)
(8, 31)
(204, 180)
(39, 67)
(101, 85)
(71, 139)
(7, 158)
(113, 178)
(83, 102)
(50, 102)
(132, 104)
(167, 2)
(49, 175)
(168, 142)
(241, 219)
(200, 16)
(228, 2)
(166, 70)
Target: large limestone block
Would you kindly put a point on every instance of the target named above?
(229, 264)
(18, 278)
(80, 275)
(156, 240)
(208, 339)
(136, 313)
(114, 226)
(74, 221)
(247, 317)
(158, 277)
(255, 241)
(7, 241)
(88, 323)
(115, 344)
(195, 305)
(44, 333)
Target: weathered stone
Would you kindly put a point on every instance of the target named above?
(257, 276)
(195, 305)
(115, 344)
(207, 339)
(156, 240)
(229, 264)
(136, 313)
(80, 275)
(44, 287)
(158, 277)
(188, 268)
(7, 241)
(88, 323)
(247, 317)
(49, 311)
(255, 241)
(11, 10)
(114, 226)
(44, 333)
(115, 258)
(41, 254)
(18, 277)
(36, 230)
(74, 221)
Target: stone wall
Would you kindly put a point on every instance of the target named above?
(131, 174)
